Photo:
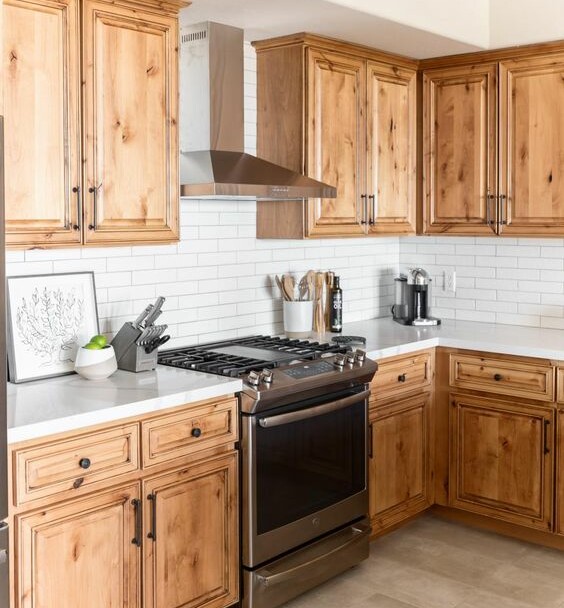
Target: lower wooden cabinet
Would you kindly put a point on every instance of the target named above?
(560, 472)
(502, 459)
(399, 461)
(79, 553)
(191, 540)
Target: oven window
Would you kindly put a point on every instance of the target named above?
(308, 465)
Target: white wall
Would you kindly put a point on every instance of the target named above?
(217, 280)
(511, 281)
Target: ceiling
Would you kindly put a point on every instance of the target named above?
(409, 27)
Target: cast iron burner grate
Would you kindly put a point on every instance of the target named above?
(230, 357)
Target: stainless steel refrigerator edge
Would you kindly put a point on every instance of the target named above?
(4, 571)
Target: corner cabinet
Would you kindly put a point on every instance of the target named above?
(346, 116)
(493, 132)
(90, 122)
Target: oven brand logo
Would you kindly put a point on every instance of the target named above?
(316, 522)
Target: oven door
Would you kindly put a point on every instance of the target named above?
(304, 472)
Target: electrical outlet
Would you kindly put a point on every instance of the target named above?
(450, 281)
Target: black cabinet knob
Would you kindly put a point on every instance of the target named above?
(402, 378)
(84, 463)
(498, 377)
(196, 432)
(78, 482)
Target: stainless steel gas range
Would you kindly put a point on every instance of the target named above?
(304, 410)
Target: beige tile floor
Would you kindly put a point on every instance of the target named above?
(432, 563)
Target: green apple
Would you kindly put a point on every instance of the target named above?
(100, 340)
(92, 346)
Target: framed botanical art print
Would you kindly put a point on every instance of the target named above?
(49, 317)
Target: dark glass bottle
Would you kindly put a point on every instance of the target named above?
(336, 316)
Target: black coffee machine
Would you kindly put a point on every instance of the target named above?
(413, 297)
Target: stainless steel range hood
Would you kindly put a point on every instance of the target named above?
(212, 161)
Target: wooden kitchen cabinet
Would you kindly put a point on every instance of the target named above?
(502, 459)
(345, 115)
(42, 122)
(191, 551)
(97, 167)
(79, 553)
(560, 472)
(493, 132)
(399, 461)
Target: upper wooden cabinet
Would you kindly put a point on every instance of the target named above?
(493, 134)
(101, 167)
(345, 115)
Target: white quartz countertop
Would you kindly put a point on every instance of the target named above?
(45, 407)
(386, 338)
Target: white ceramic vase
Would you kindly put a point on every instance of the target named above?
(95, 364)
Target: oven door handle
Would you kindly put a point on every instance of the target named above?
(312, 412)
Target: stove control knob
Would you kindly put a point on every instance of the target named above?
(360, 356)
(350, 358)
(253, 378)
(340, 360)
(266, 376)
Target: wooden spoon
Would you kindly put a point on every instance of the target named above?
(288, 283)
(281, 287)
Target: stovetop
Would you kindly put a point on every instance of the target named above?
(241, 355)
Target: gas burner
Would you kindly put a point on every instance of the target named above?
(237, 357)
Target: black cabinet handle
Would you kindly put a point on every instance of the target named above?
(363, 198)
(138, 539)
(76, 190)
(545, 437)
(153, 532)
(196, 432)
(498, 377)
(84, 463)
(373, 212)
(371, 440)
(78, 482)
(402, 378)
(94, 191)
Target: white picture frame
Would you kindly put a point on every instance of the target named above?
(49, 317)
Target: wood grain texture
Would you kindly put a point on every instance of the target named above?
(459, 149)
(167, 438)
(502, 459)
(52, 468)
(42, 118)
(532, 140)
(560, 385)
(399, 467)
(401, 375)
(391, 148)
(194, 559)
(130, 70)
(502, 376)
(336, 142)
(79, 554)
(559, 527)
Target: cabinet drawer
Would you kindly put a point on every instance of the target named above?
(402, 375)
(176, 435)
(560, 385)
(502, 376)
(51, 468)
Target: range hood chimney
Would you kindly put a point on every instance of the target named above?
(212, 161)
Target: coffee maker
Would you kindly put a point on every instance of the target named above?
(413, 297)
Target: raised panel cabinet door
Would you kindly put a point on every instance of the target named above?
(191, 545)
(335, 143)
(501, 459)
(460, 150)
(391, 149)
(42, 122)
(130, 67)
(560, 473)
(532, 146)
(79, 553)
(399, 461)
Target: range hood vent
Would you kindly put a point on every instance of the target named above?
(212, 161)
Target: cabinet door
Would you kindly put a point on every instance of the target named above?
(532, 144)
(41, 111)
(399, 463)
(560, 473)
(130, 104)
(191, 516)
(501, 459)
(79, 553)
(460, 150)
(391, 149)
(335, 143)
